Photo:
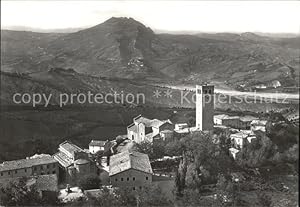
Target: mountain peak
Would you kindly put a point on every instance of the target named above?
(123, 24)
(121, 19)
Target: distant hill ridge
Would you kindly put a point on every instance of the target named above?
(123, 47)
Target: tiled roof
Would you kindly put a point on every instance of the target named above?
(97, 143)
(166, 131)
(123, 136)
(242, 118)
(63, 159)
(144, 120)
(70, 147)
(248, 118)
(149, 122)
(26, 163)
(129, 160)
(81, 161)
(156, 123)
(224, 116)
(233, 117)
(221, 116)
(132, 127)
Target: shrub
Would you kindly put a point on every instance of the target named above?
(90, 181)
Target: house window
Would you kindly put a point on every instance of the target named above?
(146, 178)
(127, 179)
(132, 137)
(54, 165)
(53, 172)
(8, 173)
(133, 178)
(122, 179)
(1, 174)
(116, 179)
(47, 166)
(34, 168)
(41, 167)
(25, 170)
(199, 91)
(133, 188)
(16, 171)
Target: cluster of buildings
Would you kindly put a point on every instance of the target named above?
(242, 130)
(240, 122)
(127, 167)
(144, 129)
(67, 166)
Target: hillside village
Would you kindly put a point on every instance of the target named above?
(119, 163)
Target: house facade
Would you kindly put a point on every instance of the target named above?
(32, 166)
(130, 170)
(237, 122)
(96, 146)
(258, 125)
(241, 139)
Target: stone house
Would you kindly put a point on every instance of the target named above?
(130, 170)
(258, 125)
(74, 162)
(237, 122)
(96, 146)
(31, 166)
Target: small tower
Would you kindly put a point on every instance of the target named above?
(204, 107)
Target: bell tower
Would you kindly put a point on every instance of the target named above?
(204, 107)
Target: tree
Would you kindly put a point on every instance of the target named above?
(264, 199)
(260, 151)
(17, 193)
(152, 196)
(145, 147)
(192, 197)
(158, 150)
(147, 197)
(283, 134)
(89, 181)
(203, 160)
(154, 151)
(228, 192)
(174, 148)
(108, 198)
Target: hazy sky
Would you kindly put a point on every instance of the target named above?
(205, 16)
